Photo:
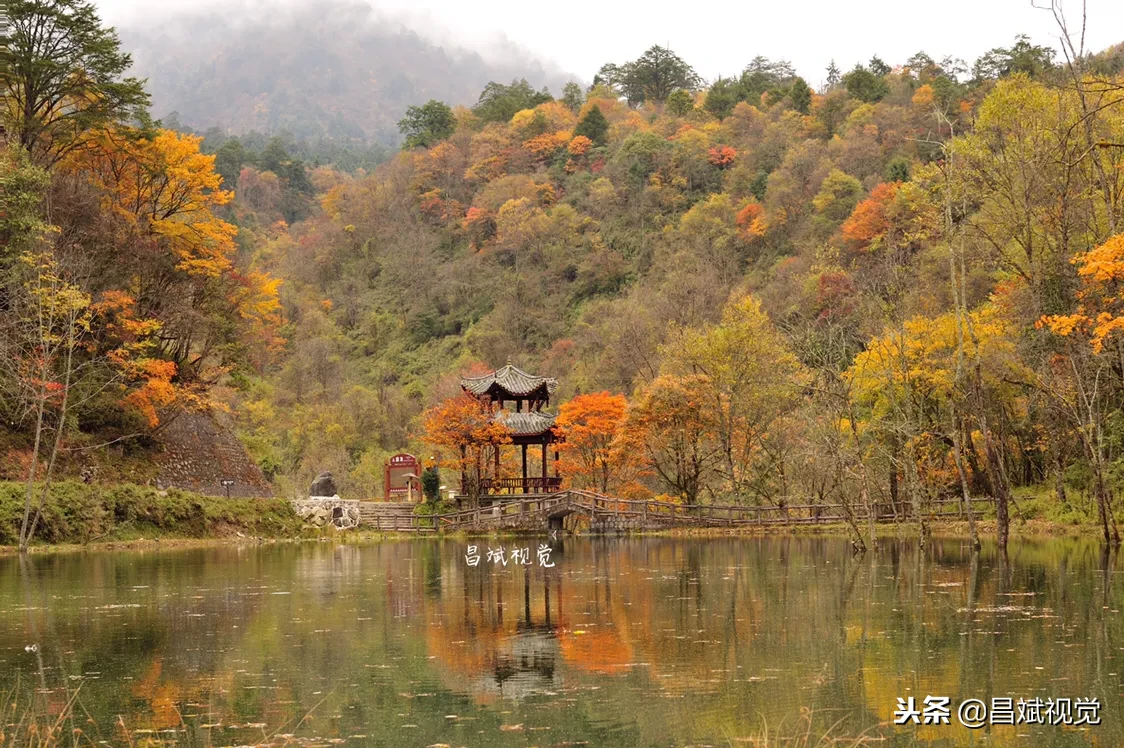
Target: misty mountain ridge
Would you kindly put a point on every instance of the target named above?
(340, 71)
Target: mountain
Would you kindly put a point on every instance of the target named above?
(338, 70)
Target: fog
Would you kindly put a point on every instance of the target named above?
(716, 37)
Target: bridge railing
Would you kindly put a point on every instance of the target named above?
(735, 514)
(500, 509)
(654, 511)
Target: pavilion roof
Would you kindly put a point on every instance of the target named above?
(526, 424)
(511, 380)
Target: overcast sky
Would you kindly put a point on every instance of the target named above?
(715, 37)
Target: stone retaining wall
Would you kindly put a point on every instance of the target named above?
(321, 511)
(198, 452)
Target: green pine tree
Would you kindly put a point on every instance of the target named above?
(594, 126)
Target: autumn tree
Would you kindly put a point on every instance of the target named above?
(909, 380)
(839, 194)
(593, 455)
(673, 424)
(750, 381)
(466, 427)
(63, 78)
(1022, 163)
(1093, 347)
(181, 268)
(43, 350)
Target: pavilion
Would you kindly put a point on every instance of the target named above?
(528, 424)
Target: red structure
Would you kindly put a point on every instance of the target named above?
(528, 424)
(401, 471)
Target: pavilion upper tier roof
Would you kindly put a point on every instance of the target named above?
(510, 381)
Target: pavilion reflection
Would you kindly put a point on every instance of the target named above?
(499, 638)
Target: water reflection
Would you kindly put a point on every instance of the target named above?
(622, 642)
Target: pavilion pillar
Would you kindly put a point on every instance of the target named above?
(524, 468)
(496, 474)
(544, 473)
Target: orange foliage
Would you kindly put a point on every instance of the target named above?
(923, 96)
(542, 147)
(463, 421)
(466, 426)
(869, 220)
(673, 425)
(473, 216)
(751, 221)
(156, 390)
(591, 457)
(722, 156)
(164, 195)
(255, 296)
(579, 145)
(480, 225)
(147, 381)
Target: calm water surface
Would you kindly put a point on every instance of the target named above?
(659, 642)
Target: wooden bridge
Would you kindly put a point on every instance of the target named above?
(544, 512)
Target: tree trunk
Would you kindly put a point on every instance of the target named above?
(32, 469)
(965, 493)
(999, 482)
(1103, 494)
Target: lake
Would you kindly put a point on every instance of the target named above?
(622, 642)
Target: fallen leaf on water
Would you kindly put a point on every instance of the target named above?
(512, 728)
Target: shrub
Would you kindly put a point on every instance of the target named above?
(80, 513)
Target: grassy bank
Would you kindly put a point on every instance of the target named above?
(77, 513)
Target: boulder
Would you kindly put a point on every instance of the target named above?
(324, 485)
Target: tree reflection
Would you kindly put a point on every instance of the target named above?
(656, 640)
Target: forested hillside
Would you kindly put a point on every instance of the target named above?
(901, 287)
(897, 288)
(335, 70)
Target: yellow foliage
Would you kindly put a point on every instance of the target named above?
(164, 187)
(923, 96)
(919, 360)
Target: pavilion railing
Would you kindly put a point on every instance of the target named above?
(495, 486)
